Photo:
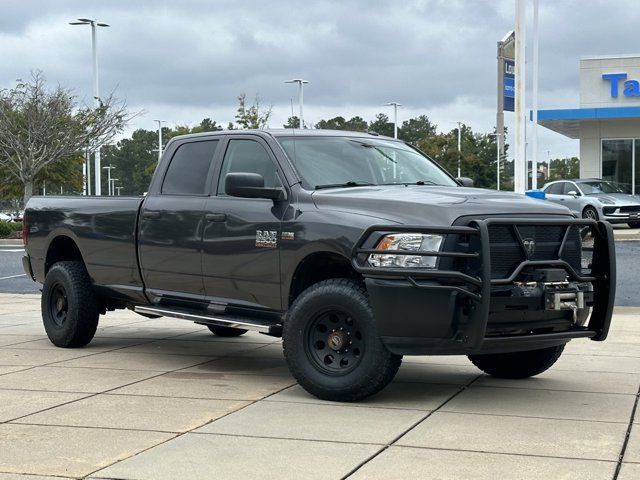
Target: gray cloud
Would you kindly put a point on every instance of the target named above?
(194, 57)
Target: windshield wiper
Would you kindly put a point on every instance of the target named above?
(419, 182)
(350, 183)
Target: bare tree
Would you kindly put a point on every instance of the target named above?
(251, 117)
(39, 127)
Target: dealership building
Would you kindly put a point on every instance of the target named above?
(607, 123)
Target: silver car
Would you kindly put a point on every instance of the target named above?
(597, 199)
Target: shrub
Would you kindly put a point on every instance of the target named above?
(16, 226)
(5, 229)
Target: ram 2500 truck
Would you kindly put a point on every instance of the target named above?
(357, 249)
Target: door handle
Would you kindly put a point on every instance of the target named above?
(216, 217)
(151, 214)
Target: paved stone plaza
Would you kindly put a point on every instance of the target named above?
(165, 399)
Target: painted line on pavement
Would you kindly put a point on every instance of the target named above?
(13, 276)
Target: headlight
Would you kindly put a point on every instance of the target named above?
(606, 201)
(406, 241)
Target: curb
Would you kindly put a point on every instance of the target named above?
(11, 242)
(626, 236)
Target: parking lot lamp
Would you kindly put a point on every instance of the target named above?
(395, 116)
(300, 82)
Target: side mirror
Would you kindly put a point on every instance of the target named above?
(250, 185)
(465, 181)
(573, 193)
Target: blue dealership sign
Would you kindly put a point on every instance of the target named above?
(508, 85)
(631, 87)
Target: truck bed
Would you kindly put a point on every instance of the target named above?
(104, 228)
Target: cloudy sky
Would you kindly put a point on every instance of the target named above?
(182, 61)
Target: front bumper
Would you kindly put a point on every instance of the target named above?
(423, 311)
(620, 214)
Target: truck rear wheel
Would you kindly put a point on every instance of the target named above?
(517, 364)
(226, 331)
(332, 346)
(69, 307)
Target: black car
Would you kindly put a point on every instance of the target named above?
(357, 249)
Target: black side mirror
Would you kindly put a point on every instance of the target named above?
(250, 185)
(465, 181)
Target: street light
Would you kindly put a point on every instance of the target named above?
(300, 82)
(160, 122)
(108, 169)
(395, 106)
(113, 184)
(118, 189)
(497, 135)
(96, 90)
(459, 146)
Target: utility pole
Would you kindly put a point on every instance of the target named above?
(395, 116)
(520, 162)
(498, 136)
(300, 82)
(96, 90)
(160, 122)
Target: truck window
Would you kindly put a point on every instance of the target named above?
(248, 156)
(187, 172)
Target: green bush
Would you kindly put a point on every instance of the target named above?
(16, 226)
(5, 229)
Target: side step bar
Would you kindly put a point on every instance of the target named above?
(262, 326)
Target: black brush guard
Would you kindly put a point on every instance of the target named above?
(470, 337)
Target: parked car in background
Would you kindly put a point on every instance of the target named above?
(5, 218)
(596, 199)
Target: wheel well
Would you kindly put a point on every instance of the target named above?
(318, 267)
(61, 248)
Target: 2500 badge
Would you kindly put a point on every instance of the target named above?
(266, 238)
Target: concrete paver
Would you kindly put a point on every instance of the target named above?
(527, 436)
(401, 463)
(224, 457)
(603, 407)
(165, 398)
(65, 451)
(136, 413)
(208, 385)
(316, 422)
(16, 403)
(60, 379)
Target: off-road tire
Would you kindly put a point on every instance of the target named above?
(373, 369)
(78, 325)
(517, 364)
(226, 331)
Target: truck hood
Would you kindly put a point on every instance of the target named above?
(437, 205)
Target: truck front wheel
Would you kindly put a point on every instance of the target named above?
(332, 346)
(69, 308)
(517, 364)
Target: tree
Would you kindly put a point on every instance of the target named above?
(416, 129)
(292, 122)
(381, 125)
(250, 116)
(356, 124)
(40, 127)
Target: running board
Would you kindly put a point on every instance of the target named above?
(262, 326)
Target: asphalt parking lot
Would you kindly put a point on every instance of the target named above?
(165, 399)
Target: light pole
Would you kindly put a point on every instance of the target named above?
(300, 82)
(118, 189)
(160, 122)
(113, 184)
(459, 149)
(548, 165)
(395, 116)
(108, 169)
(498, 136)
(96, 90)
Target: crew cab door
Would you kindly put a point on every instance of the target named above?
(172, 223)
(241, 258)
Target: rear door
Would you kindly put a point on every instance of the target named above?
(241, 246)
(172, 223)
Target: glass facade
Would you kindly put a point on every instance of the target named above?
(621, 162)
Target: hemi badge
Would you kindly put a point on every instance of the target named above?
(288, 235)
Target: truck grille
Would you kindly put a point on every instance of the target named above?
(510, 245)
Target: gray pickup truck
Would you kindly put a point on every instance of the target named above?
(357, 249)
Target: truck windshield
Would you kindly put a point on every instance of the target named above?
(325, 162)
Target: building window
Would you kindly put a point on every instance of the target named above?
(617, 162)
